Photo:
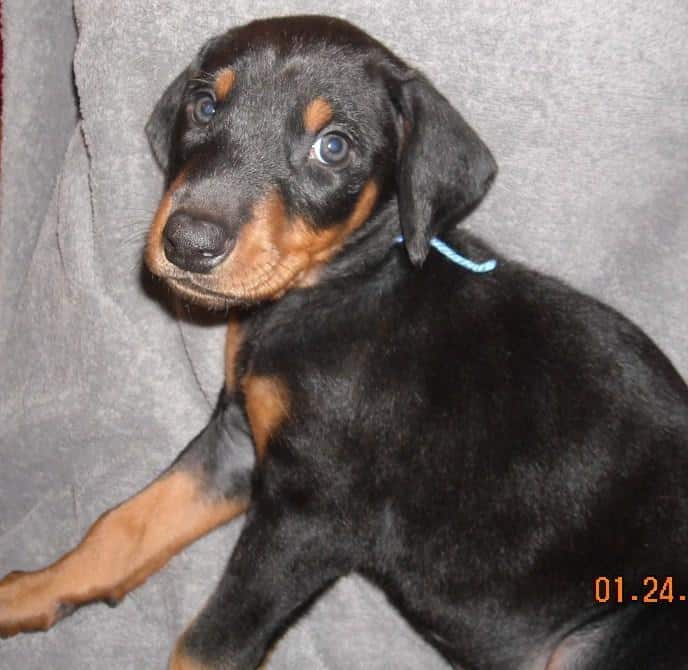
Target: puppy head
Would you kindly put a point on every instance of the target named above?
(281, 143)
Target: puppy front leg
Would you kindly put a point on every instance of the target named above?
(207, 486)
(282, 560)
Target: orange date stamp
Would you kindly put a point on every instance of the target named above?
(652, 590)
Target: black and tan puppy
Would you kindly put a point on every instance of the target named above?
(505, 457)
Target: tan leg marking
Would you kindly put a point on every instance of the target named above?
(266, 661)
(267, 406)
(224, 82)
(180, 661)
(120, 551)
(317, 115)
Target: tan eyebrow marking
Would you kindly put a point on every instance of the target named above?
(317, 115)
(224, 82)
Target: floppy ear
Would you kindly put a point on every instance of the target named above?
(444, 168)
(160, 125)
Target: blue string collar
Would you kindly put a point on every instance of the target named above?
(456, 258)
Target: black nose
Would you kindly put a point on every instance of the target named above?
(195, 244)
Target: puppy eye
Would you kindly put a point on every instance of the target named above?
(332, 149)
(204, 108)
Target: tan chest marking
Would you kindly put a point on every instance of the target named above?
(267, 407)
(233, 342)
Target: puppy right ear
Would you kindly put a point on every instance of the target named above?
(161, 123)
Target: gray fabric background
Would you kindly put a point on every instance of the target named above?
(585, 105)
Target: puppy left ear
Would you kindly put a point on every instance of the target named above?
(444, 168)
(161, 123)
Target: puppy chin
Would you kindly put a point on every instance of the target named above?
(198, 295)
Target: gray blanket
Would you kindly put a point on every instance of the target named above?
(585, 105)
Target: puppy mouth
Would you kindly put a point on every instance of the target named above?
(200, 295)
(197, 292)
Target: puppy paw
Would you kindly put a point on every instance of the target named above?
(27, 603)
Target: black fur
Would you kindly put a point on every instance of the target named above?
(481, 447)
